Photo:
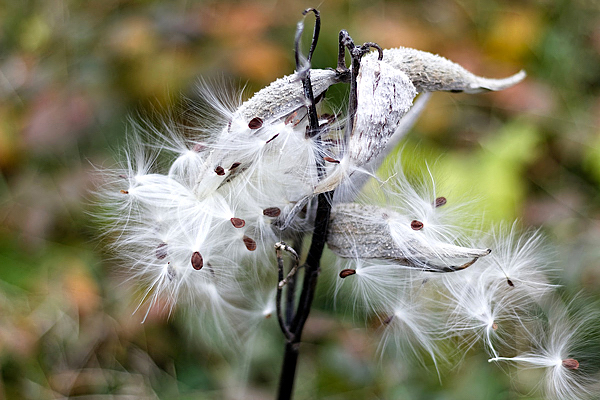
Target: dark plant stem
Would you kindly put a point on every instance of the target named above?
(312, 268)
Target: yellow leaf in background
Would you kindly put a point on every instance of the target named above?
(513, 34)
(35, 33)
(261, 62)
(81, 288)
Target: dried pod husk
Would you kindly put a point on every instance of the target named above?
(430, 72)
(363, 232)
(286, 95)
(384, 96)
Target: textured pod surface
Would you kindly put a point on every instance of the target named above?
(285, 95)
(384, 94)
(430, 72)
(362, 232)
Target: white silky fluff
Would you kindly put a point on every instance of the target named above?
(193, 230)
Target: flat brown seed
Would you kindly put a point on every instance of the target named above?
(255, 123)
(238, 222)
(388, 319)
(347, 272)
(416, 225)
(250, 243)
(197, 261)
(161, 251)
(124, 191)
(198, 147)
(219, 171)
(272, 212)
(495, 326)
(510, 283)
(273, 138)
(234, 165)
(290, 118)
(440, 201)
(570, 363)
(331, 160)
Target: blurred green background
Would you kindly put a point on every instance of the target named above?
(71, 72)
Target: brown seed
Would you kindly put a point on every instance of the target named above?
(416, 225)
(198, 147)
(124, 191)
(495, 326)
(388, 319)
(570, 363)
(290, 118)
(255, 123)
(347, 272)
(331, 160)
(123, 176)
(161, 251)
(197, 261)
(219, 171)
(234, 165)
(440, 201)
(510, 283)
(250, 243)
(238, 222)
(273, 138)
(267, 316)
(272, 212)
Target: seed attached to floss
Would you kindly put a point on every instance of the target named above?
(273, 138)
(347, 272)
(388, 319)
(238, 222)
(220, 171)
(124, 191)
(416, 225)
(234, 165)
(510, 283)
(495, 326)
(290, 118)
(331, 160)
(255, 123)
(440, 201)
(197, 261)
(250, 243)
(570, 363)
(272, 212)
(161, 251)
(198, 147)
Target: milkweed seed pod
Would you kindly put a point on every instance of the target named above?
(370, 232)
(430, 73)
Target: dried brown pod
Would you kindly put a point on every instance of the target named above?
(197, 261)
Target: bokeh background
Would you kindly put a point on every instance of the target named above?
(72, 72)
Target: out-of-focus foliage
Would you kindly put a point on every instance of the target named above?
(72, 71)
